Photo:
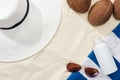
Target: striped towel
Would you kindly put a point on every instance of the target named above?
(113, 42)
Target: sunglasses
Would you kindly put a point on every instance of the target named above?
(90, 72)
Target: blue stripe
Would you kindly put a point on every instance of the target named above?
(116, 75)
(76, 76)
(93, 58)
(117, 30)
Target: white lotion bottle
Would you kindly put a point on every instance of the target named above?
(104, 57)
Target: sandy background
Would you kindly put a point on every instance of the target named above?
(72, 42)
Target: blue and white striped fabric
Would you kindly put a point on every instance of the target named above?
(113, 41)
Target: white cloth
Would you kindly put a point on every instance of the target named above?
(73, 42)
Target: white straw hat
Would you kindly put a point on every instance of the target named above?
(26, 27)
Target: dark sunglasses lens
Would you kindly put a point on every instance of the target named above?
(91, 72)
(73, 67)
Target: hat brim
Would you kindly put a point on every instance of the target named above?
(11, 50)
